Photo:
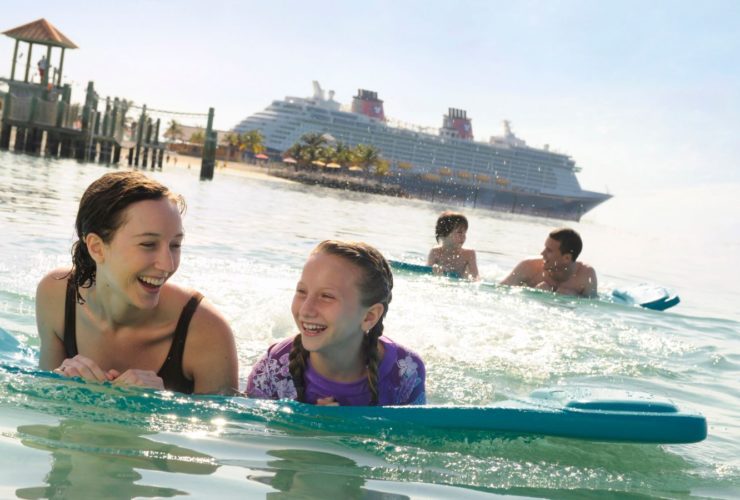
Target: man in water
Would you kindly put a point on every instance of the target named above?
(557, 270)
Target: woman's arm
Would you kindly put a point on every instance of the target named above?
(50, 295)
(210, 353)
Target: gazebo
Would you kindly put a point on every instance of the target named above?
(40, 32)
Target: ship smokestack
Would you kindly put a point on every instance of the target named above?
(366, 103)
(457, 124)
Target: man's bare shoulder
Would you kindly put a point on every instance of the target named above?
(533, 264)
(524, 273)
(586, 270)
(586, 278)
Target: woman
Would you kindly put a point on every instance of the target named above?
(113, 316)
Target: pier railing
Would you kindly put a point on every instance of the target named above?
(34, 111)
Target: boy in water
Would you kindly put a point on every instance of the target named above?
(449, 257)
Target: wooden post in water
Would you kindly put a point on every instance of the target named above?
(208, 162)
(139, 133)
(114, 121)
(82, 145)
(157, 159)
(6, 128)
(147, 141)
(105, 144)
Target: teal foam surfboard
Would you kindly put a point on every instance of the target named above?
(590, 414)
(644, 295)
(649, 296)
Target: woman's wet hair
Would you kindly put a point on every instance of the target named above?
(101, 212)
(447, 222)
(376, 287)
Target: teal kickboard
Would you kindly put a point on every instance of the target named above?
(648, 296)
(620, 417)
(644, 295)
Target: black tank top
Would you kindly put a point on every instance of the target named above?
(171, 370)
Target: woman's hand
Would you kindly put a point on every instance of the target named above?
(138, 378)
(83, 367)
(86, 368)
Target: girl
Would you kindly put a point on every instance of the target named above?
(114, 316)
(449, 257)
(339, 357)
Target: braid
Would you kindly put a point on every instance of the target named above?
(372, 358)
(297, 365)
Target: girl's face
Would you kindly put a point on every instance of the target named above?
(456, 238)
(327, 306)
(143, 253)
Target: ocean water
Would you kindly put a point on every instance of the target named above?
(246, 241)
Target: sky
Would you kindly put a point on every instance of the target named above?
(645, 96)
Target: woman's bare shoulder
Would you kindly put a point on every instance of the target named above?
(53, 284)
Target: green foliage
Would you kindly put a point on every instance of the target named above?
(198, 137)
(174, 131)
(313, 147)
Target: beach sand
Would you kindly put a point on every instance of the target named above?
(222, 167)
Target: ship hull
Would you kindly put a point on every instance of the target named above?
(500, 199)
(509, 177)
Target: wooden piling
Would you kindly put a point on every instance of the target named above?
(208, 162)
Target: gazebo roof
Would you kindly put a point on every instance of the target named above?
(42, 32)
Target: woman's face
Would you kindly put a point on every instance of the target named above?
(143, 253)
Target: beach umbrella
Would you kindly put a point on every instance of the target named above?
(318, 163)
(333, 165)
(262, 156)
(289, 160)
(355, 168)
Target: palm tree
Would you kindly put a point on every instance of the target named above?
(174, 131)
(252, 141)
(366, 156)
(309, 148)
(231, 140)
(198, 137)
(342, 155)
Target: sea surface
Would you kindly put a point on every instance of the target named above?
(246, 241)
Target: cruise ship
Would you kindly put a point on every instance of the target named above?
(445, 164)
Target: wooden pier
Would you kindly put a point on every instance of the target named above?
(39, 118)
